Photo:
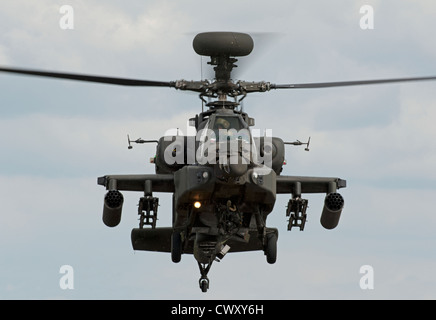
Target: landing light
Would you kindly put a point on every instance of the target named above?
(197, 204)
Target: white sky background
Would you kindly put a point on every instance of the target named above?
(58, 136)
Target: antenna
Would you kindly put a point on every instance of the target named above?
(201, 68)
(139, 140)
(307, 145)
(201, 77)
(299, 143)
(128, 139)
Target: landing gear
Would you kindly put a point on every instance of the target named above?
(176, 247)
(269, 237)
(204, 284)
(271, 248)
(204, 280)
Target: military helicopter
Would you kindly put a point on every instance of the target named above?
(224, 180)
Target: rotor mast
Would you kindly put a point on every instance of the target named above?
(222, 48)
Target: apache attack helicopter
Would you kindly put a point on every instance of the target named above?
(224, 180)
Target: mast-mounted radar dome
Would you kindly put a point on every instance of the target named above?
(212, 44)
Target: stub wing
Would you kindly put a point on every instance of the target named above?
(296, 209)
(297, 185)
(138, 182)
(165, 183)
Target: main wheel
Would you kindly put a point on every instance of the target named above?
(271, 248)
(176, 247)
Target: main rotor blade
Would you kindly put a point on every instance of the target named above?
(345, 83)
(88, 78)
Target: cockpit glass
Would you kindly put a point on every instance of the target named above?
(230, 128)
(226, 123)
(224, 134)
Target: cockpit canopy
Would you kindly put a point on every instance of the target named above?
(218, 137)
(228, 128)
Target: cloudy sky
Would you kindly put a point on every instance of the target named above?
(58, 136)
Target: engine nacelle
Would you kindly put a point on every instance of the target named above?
(173, 153)
(113, 204)
(333, 205)
(271, 152)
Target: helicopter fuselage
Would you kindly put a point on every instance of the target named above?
(222, 186)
